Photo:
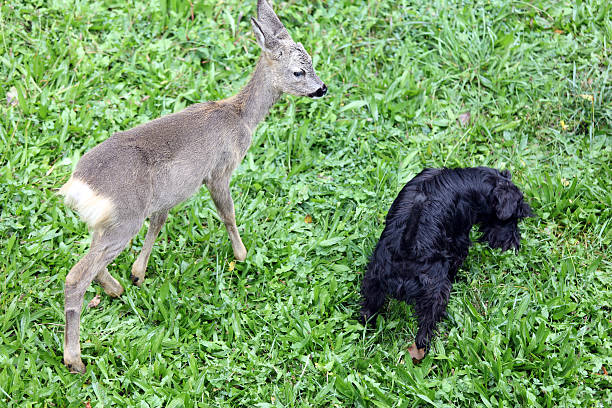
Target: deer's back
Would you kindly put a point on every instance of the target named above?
(160, 163)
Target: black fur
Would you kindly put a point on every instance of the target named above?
(426, 238)
(319, 92)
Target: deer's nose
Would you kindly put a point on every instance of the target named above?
(319, 92)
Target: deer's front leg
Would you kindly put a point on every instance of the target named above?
(220, 193)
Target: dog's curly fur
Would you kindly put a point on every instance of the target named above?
(426, 238)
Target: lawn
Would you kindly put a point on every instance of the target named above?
(281, 329)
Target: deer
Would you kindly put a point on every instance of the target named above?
(146, 171)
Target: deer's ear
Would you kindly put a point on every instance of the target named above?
(266, 41)
(270, 20)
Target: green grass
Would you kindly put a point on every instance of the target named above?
(281, 329)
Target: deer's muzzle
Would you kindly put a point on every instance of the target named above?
(319, 92)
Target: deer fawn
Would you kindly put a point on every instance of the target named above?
(145, 171)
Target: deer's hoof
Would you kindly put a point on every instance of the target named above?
(139, 271)
(136, 280)
(113, 289)
(111, 286)
(240, 254)
(74, 365)
(114, 292)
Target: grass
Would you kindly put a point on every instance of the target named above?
(280, 329)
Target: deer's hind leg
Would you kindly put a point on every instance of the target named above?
(220, 193)
(111, 286)
(105, 247)
(139, 268)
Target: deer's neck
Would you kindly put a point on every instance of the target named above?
(257, 97)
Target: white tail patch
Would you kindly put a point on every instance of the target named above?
(94, 209)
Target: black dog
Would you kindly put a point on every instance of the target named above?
(426, 239)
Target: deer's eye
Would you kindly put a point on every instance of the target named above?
(298, 74)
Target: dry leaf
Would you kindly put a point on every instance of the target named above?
(464, 118)
(11, 97)
(308, 219)
(95, 301)
(557, 31)
(232, 265)
(587, 97)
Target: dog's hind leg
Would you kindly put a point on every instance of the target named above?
(456, 264)
(430, 309)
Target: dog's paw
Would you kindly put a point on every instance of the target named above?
(417, 354)
(366, 318)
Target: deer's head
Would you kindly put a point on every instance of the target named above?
(288, 61)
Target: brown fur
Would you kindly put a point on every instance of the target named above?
(145, 171)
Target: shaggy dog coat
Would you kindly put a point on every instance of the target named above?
(426, 239)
